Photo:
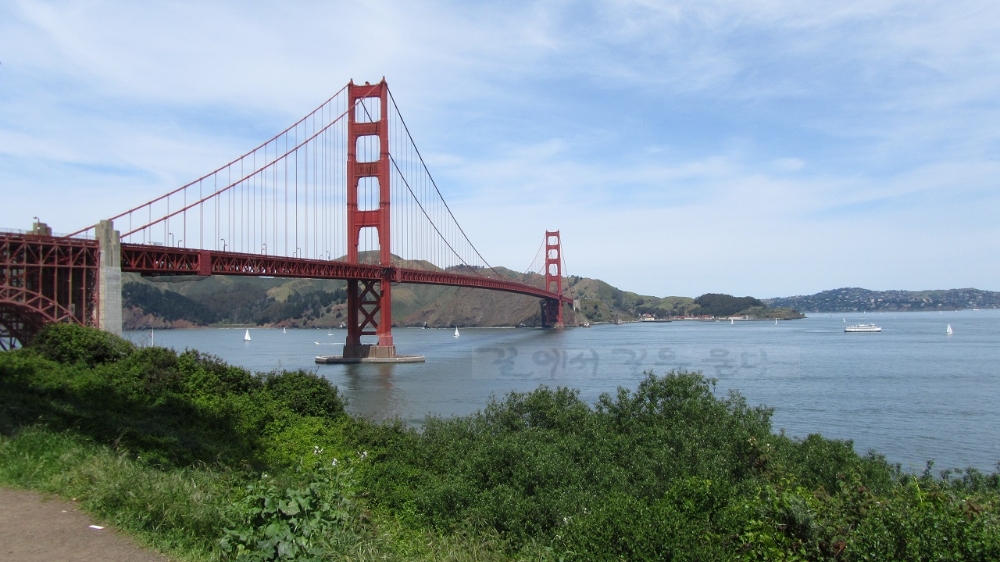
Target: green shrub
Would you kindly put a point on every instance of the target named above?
(70, 343)
(305, 393)
(921, 519)
(147, 374)
(171, 409)
(818, 462)
(307, 519)
(665, 471)
(529, 465)
(207, 376)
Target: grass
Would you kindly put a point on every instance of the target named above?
(177, 511)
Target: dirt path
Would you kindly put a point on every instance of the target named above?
(35, 528)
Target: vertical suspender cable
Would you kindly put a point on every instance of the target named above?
(296, 197)
(305, 193)
(285, 168)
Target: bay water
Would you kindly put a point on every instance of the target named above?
(911, 392)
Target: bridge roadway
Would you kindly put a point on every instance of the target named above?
(44, 278)
(161, 260)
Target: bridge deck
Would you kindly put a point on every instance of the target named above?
(160, 260)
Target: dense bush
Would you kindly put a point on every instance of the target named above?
(545, 466)
(717, 304)
(666, 471)
(305, 393)
(174, 409)
(70, 343)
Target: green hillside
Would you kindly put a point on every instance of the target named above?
(187, 301)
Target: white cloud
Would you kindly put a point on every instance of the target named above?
(763, 147)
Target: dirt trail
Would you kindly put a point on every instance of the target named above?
(36, 528)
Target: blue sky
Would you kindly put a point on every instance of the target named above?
(764, 148)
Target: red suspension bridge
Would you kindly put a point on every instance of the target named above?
(344, 193)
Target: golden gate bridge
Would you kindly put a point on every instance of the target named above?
(343, 193)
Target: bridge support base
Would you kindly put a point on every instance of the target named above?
(370, 354)
(551, 313)
(109, 294)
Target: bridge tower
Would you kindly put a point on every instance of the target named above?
(552, 308)
(369, 303)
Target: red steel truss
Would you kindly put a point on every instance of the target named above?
(163, 260)
(45, 279)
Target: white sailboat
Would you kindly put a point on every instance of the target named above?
(732, 321)
(246, 336)
(949, 330)
(456, 331)
(284, 330)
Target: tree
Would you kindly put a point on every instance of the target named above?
(717, 304)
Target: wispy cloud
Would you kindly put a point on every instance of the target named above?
(767, 147)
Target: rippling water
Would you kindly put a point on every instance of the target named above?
(911, 392)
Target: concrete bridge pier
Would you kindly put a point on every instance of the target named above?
(109, 293)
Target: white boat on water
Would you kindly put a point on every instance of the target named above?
(456, 331)
(863, 328)
(949, 330)
(246, 336)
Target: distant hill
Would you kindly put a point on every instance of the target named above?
(184, 301)
(601, 302)
(854, 299)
